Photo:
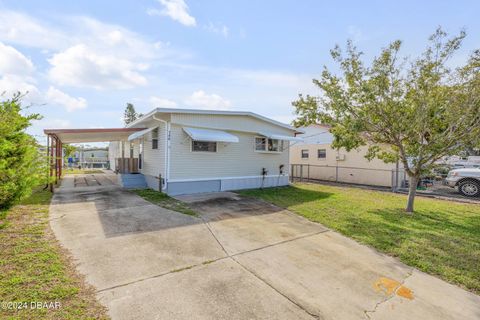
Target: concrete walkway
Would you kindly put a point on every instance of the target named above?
(242, 259)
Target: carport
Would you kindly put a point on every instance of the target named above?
(57, 137)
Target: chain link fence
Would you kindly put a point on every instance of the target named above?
(392, 179)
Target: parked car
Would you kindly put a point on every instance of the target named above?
(466, 179)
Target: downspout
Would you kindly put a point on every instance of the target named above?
(167, 149)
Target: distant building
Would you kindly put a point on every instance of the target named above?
(353, 167)
(89, 158)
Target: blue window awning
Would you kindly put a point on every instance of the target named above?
(210, 135)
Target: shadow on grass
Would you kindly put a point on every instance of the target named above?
(286, 196)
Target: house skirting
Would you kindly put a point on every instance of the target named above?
(176, 187)
(152, 182)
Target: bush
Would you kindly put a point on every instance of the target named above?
(22, 167)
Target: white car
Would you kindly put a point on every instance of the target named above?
(466, 179)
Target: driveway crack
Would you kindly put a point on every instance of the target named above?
(388, 298)
(214, 236)
(316, 316)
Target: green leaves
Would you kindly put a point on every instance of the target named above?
(415, 110)
(130, 114)
(20, 160)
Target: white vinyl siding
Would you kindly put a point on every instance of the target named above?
(154, 159)
(230, 160)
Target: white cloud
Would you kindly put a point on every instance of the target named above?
(54, 123)
(110, 56)
(175, 9)
(19, 28)
(12, 84)
(82, 67)
(218, 29)
(202, 100)
(14, 62)
(61, 98)
(114, 39)
(15, 71)
(157, 102)
(23, 29)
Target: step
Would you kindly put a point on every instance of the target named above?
(133, 181)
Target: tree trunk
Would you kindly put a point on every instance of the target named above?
(412, 190)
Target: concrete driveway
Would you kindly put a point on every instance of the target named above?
(242, 259)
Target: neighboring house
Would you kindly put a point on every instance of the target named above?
(331, 164)
(89, 158)
(203, 151)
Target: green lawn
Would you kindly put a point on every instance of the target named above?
(164, 201)
(34, 268)
(441, 237)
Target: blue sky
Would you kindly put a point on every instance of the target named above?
(82, 61)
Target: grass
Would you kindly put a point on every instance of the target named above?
(164, 201)
(81, 171)
(34, 268)
(441, 238)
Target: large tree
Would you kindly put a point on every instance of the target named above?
(22, 166)
(415, 110)
(130, 114)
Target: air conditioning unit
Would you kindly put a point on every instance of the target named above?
(340, 157)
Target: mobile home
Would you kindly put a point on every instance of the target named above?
(181, 151)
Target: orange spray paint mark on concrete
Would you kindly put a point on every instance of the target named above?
(405, 293)
(390, 286)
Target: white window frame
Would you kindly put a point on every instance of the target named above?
(280, 145)
(191, 146)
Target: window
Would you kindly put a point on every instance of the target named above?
(304, 154)
(322, 153)
(155, 138)
(260, 144)
(268, 145)
(204, 146)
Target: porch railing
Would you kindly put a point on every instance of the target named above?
(126, 165)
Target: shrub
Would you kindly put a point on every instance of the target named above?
(22, 167)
